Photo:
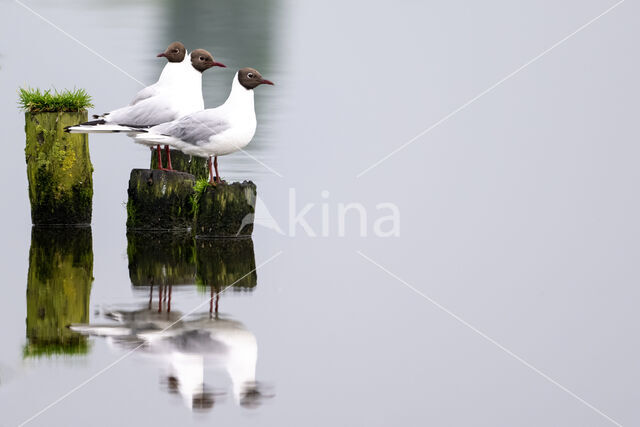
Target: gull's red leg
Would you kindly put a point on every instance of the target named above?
(159, 153)
(168, 152)
(210, 171)
(215, 165)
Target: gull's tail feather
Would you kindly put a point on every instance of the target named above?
(155, 138)
(101, 126)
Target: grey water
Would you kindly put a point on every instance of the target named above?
(507, 295)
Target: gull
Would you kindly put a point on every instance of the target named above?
(216, 131)
(177, 62)
(178, 92)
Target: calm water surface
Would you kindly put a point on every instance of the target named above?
(519, 215)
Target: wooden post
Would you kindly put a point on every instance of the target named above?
(226, 210)
(59, 169)
(160, 200)
(171, 201)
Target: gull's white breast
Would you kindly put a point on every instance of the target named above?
(242, 128)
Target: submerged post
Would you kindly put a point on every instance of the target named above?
(59, 168)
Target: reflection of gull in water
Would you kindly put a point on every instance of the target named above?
(222, 342)
(187, 347)
(130, 325)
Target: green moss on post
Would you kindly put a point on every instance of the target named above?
(196, 166)
(58, 290)
(160, 200)
(59, 169)
(161, 258)
(226, 262)
(226, 210)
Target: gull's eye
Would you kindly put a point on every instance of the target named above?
(250, 75)
(202, 58)
(176, 50)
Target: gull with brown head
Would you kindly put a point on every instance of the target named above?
(216, 131)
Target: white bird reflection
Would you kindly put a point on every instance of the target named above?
(187, 348)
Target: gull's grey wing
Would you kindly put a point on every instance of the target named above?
(148, 112)
(145, 93)
(195, 128)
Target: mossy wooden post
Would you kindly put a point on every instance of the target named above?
(58, 289)
(226, 210)
(160, 200)
(196, 166)
(226, 262)
(59, 169)
(161, 258)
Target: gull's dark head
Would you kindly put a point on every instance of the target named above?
(251, 78)
(202, 401)
(174, 53)
(203, 60)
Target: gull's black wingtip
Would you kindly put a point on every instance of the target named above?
(67, 129)
(93, 122)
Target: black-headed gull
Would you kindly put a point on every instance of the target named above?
(215, 131)
(177, 61)
(177, 93)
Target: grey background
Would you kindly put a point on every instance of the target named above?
(519, 214)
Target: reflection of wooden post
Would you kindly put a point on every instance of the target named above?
(59, 169)
(58, 289)
(160, 258)
(225, 262)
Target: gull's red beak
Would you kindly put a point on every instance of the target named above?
(218, 64)
(266, 82)
(161, 55)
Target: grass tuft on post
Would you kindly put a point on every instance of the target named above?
(38, 101)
